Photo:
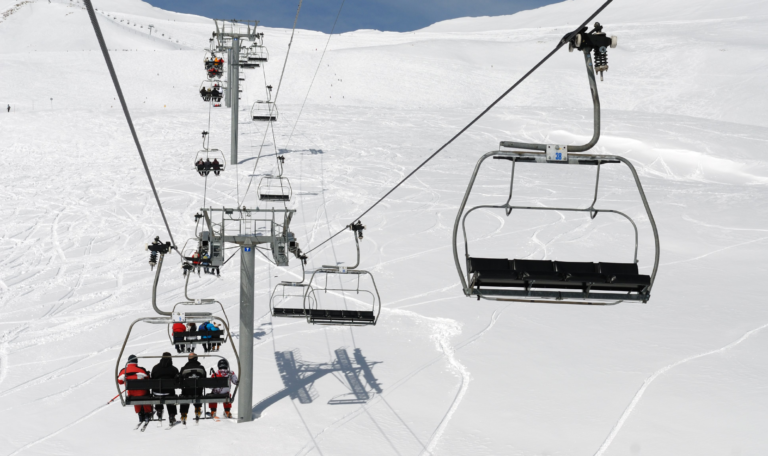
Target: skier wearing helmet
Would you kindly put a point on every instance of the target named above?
(223, 372)
(133, 371)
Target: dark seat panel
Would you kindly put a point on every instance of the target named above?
(618, 268)
(288, 312)
(488, 264)
(341, 314)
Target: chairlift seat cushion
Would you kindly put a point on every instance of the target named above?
(488, 264)
(327, 315)
(264, 197)
(572, 271)
(288, 312)
(536, 270)
(503, 273)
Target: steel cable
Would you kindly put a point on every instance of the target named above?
(111, 68)
(567, 38)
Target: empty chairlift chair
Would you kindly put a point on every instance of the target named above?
(587, 282)
(264, 111)
(274, 188)
(340, 295)
(288, 298)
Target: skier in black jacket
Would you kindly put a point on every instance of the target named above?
(193, 369)
(166, 370)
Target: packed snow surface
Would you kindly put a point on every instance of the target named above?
(684, 100)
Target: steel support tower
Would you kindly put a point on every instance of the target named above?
(247, 228)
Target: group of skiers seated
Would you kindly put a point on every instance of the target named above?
(205, 167)
(197, 260)
(166, 370)
(215, 62)
(186, 343)
(215, 92)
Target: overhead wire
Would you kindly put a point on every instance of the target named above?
(315, 75)
(274, 102)
(565, 40)
(111, 68)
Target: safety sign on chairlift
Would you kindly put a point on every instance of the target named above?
(246, 249)
(178, 317)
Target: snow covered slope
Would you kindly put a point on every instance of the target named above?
(684, 100)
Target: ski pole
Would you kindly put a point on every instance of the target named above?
(113, 399)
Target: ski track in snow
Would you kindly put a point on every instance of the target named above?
(54, 434)
(636, 399)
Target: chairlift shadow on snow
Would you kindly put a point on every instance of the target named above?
(299, 376)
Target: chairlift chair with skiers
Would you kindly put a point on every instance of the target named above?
(209, 161)
(212, 90)
(592, 282)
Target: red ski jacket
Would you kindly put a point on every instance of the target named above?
(179, 328)
(133, 372)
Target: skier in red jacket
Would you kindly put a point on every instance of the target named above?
(179, 339)
(134, 372)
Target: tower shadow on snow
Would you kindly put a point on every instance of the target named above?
(299, 377)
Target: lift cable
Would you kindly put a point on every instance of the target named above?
(565, 40)
(315, 75)
(274, 102)
(112, 73)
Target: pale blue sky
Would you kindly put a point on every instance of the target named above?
(393, 15)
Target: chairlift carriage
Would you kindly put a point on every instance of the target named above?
(209, 161)
(265, 111)
(257, 52)
(169, 318)
(274, 188)
(287, 298)
(352, 288)
(212, 90)
(591, 282)
(156, 384)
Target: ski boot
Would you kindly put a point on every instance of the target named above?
(213, 415)
(159, 415)
(197, 414)
(148, 416)
(228, 414)
(184, 419)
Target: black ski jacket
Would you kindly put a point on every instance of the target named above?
(193, 369)
(164, 369)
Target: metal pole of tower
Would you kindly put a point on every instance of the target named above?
(247, 277)
(234, 93)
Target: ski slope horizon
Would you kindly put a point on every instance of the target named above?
(683, 100)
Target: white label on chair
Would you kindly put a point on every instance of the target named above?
(178, 317)
(343, 269)
(557, 153)
(198, 301)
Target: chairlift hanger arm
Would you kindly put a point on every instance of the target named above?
(595, 109)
